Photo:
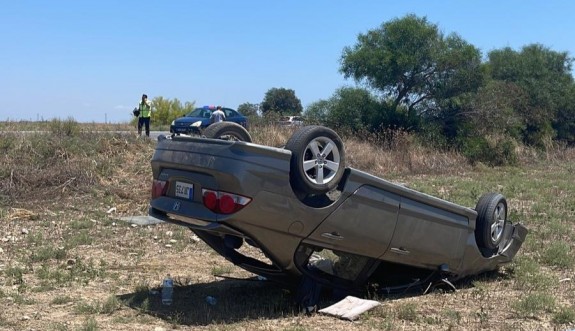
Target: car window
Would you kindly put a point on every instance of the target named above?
(196, 112)
(230, 112)
(285, 118)
(206, 112)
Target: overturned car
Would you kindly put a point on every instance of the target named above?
(311, 218)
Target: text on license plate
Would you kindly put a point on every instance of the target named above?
(184, 190)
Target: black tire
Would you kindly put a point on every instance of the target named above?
(318, 160)
(491, 221)
(227, 131)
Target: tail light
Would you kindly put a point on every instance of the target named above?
(223, 202)
(159, 188)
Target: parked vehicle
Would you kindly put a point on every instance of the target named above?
(313, 218)
(291, 121)
(199, 119)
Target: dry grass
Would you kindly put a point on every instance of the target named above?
(67, 263)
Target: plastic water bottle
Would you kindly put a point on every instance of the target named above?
(167, 290)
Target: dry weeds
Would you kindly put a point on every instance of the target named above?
(67, 263)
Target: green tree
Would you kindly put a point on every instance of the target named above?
(317, 112)
(413, 65)
(564, 123)
(249, 109)
(495, 110)
(545, 78)
(489, 127)
(352, 108)
(357, 109)
(166, 110)
(282, 101)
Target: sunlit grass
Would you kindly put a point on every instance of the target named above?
(59, 186)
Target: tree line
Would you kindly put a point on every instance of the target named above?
(411, 77)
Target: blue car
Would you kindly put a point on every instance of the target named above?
(185, 125)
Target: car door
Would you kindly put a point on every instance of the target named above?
(363, 224)
(427, 236)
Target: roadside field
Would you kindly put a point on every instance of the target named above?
(68, 263)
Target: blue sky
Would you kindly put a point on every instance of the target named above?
(92, 60)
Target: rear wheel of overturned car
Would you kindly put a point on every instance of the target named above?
(317, 162)
(227, 131)
(491, 220)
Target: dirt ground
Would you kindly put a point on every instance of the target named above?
(128, 263)
(67, 262)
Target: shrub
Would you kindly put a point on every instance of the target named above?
(494, 152)
(534, 304)
(564, 316)
(68, 127)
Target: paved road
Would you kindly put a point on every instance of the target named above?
(154, 134)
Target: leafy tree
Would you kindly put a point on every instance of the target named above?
(318, 111)
(249, 109)
(352, 108)
(564, 123)
(282, 101)
(545, 78)
(488, 127)
(413, 65)
(356, 109)
(495, 110)
(166, 110)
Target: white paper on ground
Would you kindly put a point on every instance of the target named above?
(349, 308)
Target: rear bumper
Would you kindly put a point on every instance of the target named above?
(217, 235)
(518, 235)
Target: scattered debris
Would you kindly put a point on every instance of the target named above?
(20, 214)
(9, 238)
(70, 264)
(111, 210)
(141, 220)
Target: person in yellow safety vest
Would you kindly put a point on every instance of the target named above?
(145, 108)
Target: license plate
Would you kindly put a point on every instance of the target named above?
(184, 190)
